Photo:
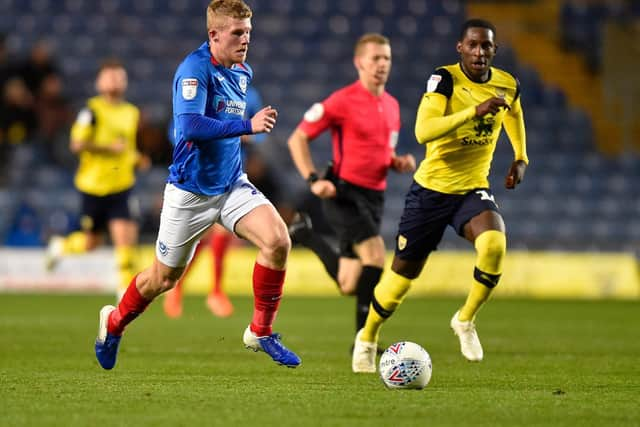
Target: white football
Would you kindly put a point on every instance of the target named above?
(405, 365)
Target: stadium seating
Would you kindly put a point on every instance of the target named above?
(582, 24)
(572, 198)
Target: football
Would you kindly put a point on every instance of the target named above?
(405, 365)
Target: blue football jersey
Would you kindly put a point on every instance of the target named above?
(202, 86)
(254, 104)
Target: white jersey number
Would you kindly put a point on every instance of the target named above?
(485, 196)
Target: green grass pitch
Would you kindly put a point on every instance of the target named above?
(547, 363)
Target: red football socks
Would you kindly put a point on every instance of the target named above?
(219, 243)
(267, 291)
(131, 306)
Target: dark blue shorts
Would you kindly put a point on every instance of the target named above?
(427, 214)
(97, 211)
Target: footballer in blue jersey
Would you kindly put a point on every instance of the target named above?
(206, 185)
(217, 239)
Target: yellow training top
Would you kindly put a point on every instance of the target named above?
(105, 124)
(459, 145)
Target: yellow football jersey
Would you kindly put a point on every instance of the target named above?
(459, 145)
(105, 123)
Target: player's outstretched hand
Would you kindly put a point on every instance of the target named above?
(323, 188)
(491, 106)
(403, 164)
(516, 174)
(264, 120)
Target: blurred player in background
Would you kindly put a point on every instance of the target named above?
(206, 185)
(218, 239)
(459, 119)
(364, 121)
(104, 138)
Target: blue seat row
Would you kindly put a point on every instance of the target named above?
(572, 197)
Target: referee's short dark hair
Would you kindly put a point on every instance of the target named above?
(476, 23)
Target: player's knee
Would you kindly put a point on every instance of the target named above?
(167, 284)
(347, 285)
(407, 269)
(491, 247)
(277, 249)
(92, 243)
(372, 252)
(162, 280)
(492, 243)
(375, 259)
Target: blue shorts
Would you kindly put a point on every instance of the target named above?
(97, 211)
(426, 216)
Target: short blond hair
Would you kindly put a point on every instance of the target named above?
(369, 38)
(218, 9)
(110, 63)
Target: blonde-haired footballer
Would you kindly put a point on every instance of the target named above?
(459, 120)
(207, 185)
(104, 138)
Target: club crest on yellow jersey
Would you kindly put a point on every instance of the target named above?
(402, 242)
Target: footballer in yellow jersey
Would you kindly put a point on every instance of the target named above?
(104, 138)
(459, 119)
(459, 143)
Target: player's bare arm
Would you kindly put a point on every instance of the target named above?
(143, 161)
(514, 126)
(299, 147)
(264, 120)
(515, 174)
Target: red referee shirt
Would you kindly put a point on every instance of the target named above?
(364, 130)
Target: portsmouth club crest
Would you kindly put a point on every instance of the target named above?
(242, 81)
(162, 248)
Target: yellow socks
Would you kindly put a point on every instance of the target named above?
(387, 296)
(126, 264)
(478, 294)
(491, 246)
(75, 243)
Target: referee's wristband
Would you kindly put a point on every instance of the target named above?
(313, 177)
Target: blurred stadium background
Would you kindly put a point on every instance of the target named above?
(577, 62)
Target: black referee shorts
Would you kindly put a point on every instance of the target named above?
(427, 213)
(355, 214)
